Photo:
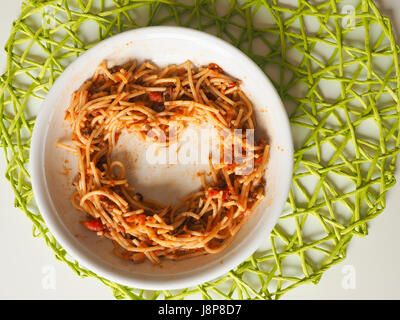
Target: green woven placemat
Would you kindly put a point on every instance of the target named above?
(335, 65)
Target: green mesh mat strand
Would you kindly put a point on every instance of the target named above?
(335, 65)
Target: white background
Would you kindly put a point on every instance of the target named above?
(25, 261)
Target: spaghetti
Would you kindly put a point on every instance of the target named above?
(142, 98)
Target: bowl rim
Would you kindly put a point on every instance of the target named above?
(66, 239)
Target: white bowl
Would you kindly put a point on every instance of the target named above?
(52, 168)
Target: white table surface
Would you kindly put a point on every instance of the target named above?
(27, 263)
